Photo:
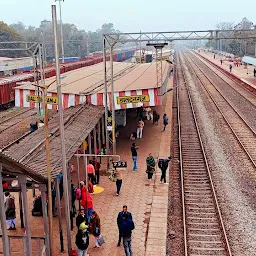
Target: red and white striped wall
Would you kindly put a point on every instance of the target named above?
(69, 100)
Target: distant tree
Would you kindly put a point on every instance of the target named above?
(76, 42)
(8, 34)
(238, 47)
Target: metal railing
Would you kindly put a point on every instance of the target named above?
(37, 249)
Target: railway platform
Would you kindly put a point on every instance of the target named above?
(241, 72)
(148, 202)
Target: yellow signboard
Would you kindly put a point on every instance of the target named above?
(132, 99)
(37, 99)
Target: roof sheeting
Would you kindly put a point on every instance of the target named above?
(90, 80)
(30, 154)
(249, 60)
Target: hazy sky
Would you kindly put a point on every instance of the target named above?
(132, 15)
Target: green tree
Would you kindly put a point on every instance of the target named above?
(8, 34)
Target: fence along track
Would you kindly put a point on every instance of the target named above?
(204, 231)
(242, 131)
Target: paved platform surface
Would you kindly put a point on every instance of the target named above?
(245, 74)
(148, 202)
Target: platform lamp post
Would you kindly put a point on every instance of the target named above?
(159, 74)
(62, 135)
(61, 32)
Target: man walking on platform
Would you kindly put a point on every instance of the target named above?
(140, 129)
(165, 121)
(120, 218)
(134, 156)
(96, 165)
(163, 165)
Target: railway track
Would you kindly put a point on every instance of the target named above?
(240, 127)
(16, 119)
(204, 231)
(240, 85)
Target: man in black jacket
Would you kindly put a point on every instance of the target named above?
(120, 218)
(163, 165)
(82, 240)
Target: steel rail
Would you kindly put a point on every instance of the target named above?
(226, 242)
(181, 163)
(223, 115)
(18, 114)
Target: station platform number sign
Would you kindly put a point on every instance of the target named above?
(109, 124)
(39, 99)
(120, 164)
(132, 99)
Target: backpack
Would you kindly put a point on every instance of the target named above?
(161, 163)
(166, 120)
(11, 202)
(127, 225)
(78, 194)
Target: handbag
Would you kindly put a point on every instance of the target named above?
(100, 240)
(112, 177)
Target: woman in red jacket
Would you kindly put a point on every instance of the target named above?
(86, 204)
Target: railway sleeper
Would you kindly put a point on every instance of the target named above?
(208, 251)
(207, 243)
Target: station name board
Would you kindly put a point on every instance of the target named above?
(37, 99)
(132, 99)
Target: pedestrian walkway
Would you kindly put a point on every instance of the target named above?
(148, 202)
(245, 74)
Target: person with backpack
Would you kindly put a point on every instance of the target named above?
(96, 165)
(165, 121)
(163, 165)
(80, 218)
(10, 211)
(126, 229)
(82, 240)
(120, 218)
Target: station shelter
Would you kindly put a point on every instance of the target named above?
(23, 168)
(135, 85)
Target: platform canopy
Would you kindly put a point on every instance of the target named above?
(87, 85)
(28, 157)
(249, 60)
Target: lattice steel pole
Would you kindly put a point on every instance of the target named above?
(105, 94)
